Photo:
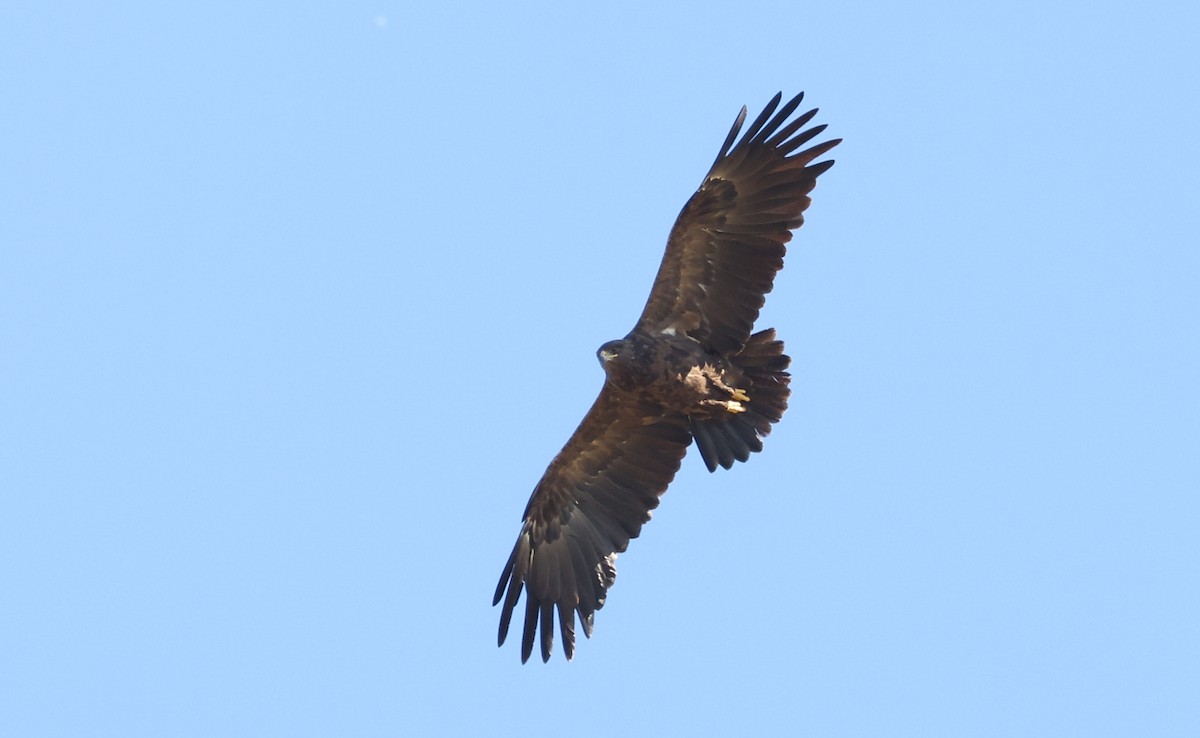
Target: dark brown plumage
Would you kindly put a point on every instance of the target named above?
(689, 369)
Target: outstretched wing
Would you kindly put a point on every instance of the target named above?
(728, 241)
(593, 498)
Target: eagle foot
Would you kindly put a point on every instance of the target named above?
(734, 406)
(739, 395)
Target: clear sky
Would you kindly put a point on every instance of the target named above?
(297, 301)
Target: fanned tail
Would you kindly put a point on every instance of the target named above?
(733, 437)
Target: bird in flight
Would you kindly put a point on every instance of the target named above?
(692, 369)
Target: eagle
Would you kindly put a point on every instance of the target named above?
(692, 369)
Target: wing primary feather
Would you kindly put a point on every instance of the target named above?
(802, 139)
(809, 154)
(588, 623)
(510, 603)
(547, 630)
(514, 576)
(779, 118)
(758, 123)
(566, 622)
(791, 128)
(821, 166)
(733, 132)
(508, 570)
(531, 617)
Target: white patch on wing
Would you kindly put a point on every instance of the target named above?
(668, 331)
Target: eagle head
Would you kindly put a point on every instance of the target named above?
(608, 352)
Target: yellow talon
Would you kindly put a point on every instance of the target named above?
(734, 406)
(740, 396)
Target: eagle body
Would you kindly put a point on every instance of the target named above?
(675, 370)
(692, 369)
(681, 375)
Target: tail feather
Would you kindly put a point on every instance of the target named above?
(732, 437)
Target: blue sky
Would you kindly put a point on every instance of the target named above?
(298, 300)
